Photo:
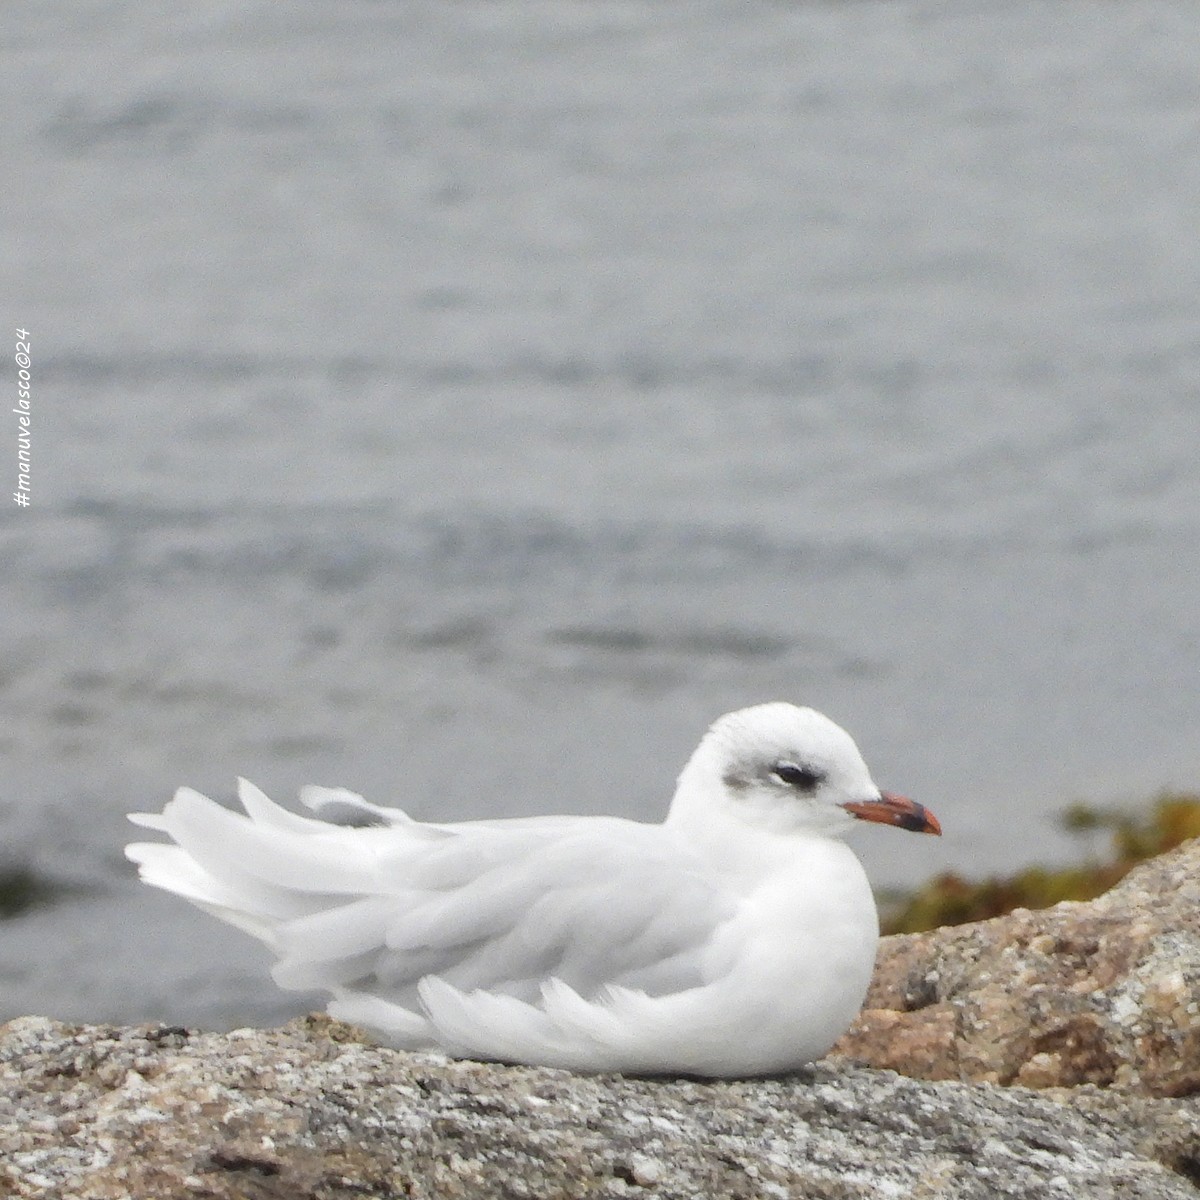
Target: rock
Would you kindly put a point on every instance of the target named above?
(307, 1112)
(1104, 992)
(1095, 1003)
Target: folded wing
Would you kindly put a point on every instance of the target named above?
(515, 929)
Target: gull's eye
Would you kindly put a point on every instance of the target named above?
(804, 778)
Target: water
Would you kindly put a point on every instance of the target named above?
(467, 404)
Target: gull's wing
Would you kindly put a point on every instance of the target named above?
(591, 902)
(499, 906)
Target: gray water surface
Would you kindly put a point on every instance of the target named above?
(468, 403)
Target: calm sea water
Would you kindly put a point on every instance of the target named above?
(467, 403)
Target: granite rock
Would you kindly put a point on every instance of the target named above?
(309, 1112)
(1106, 992)
(1095, 1004)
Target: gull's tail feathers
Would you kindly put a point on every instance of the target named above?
(291, 881)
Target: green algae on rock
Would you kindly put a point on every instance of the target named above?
(951, 899)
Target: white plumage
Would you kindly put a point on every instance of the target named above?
(736, 938)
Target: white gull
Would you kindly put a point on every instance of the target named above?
(737, 938)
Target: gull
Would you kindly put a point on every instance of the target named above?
(735, 939)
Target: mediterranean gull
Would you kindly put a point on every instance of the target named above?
(737, 938)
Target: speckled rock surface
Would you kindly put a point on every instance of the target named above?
(1106, 992)
(306, 1112)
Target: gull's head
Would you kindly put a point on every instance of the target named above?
(790, 770)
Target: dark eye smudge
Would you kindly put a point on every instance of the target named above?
(805, 778)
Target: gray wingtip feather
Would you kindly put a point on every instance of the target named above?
(340, 806)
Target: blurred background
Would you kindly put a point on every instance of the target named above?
(466, 403)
